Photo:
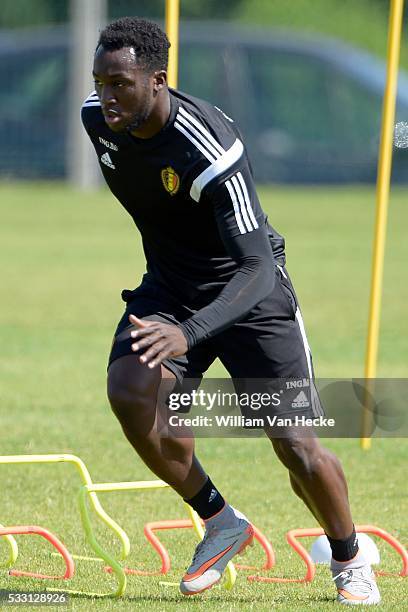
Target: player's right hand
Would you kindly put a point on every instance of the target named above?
(161, 341)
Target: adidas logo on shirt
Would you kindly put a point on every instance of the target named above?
(105, 159)
(300, 401)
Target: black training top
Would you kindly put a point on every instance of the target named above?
(189, 190)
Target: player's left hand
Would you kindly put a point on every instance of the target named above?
(161, 340)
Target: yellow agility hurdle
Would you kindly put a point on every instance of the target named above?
(117, 569)
(13, 554)
(89, 491)
(86, 480)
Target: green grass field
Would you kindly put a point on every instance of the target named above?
(65, 257)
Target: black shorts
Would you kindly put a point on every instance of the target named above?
(267, 344)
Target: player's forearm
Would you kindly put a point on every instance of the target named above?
(252, 282)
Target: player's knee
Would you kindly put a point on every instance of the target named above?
(303, 457)
(124, 401)
(130, 395)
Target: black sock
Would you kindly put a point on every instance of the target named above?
(208, 501)
(344, 550)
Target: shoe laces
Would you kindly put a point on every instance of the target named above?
(358, 577)
(209, 535)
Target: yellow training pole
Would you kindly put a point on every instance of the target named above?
(172, 30)
(383, 191)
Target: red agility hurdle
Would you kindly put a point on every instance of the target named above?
(150, 528)
(292, 536)
(35, 529)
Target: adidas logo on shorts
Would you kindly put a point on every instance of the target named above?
(300, 401)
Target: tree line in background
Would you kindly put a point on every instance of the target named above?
(362, 22)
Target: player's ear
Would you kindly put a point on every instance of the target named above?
(159, 80)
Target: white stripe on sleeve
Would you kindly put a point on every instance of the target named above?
(236, 207)
(191, 138)
(206, 143)
(92, 96)
(241, 201)
(207, 135)
(228, 159)
(247, 200)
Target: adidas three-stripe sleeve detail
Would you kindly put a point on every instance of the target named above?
(92, 100)
(221, 161)
(237, 209)
(218, 167)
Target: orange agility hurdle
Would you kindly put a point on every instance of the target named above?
(293, 534)
(62, 550)
(157, 545)
(269, 552)
(151, 527)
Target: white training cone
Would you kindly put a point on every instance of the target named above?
(321, 551)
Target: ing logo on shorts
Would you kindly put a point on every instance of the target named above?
(170, 179)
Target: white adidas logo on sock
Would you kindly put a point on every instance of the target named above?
(213, 494)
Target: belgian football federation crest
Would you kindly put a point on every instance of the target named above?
(171, 180)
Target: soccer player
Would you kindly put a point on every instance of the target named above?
(215, 286)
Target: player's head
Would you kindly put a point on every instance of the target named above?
(130, 71)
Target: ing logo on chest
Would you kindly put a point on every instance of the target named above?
(170, 180)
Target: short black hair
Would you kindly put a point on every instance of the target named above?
(150, 43)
